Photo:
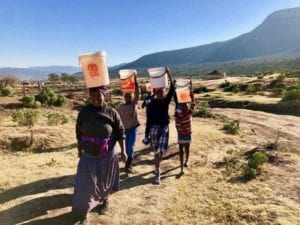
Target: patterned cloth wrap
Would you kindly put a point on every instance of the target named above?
(103, 144)
(159, 135)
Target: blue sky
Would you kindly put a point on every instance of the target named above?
(55, 32)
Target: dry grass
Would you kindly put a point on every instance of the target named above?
(37, 188)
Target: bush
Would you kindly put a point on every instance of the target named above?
(224, 84)
(253, 88)
(48, 97)
(291, 96)
(292, 87)
(232, 127)
(255, 162)
(55, 118)
(20, 143)
(243, 87)
(7, 91)
(200, 89)
(232, 88)
(37, 104)
(202, 110)
(28, 101)
(116, 91)
(61, 100)
(26, 117)
(232, 161)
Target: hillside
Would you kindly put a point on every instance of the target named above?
(279, 33)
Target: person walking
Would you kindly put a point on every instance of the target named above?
(129, 116)
(159, 119)
(98, 129)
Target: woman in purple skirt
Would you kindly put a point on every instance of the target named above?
(98, 129)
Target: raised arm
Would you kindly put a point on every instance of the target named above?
(172, 89)
(136, 92)
(192, 95)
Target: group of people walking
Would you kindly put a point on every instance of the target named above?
(98, 129)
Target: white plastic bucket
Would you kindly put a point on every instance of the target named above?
(158, 77)
(94, 68)
(127, 80)
(124, 74)
(183, 95)
(181, 83)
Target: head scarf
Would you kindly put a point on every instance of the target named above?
(101, 89)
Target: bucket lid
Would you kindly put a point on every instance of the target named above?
(127, 73)
(182, 82)
(101, 53)
(157, 72)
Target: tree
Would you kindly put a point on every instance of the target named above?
(54, 77)
(8, 80)
(27, 117)
(74, 79)
(65, 77)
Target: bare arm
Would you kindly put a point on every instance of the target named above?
(192, 96)
(171, 90)
(136, 92)
(122, 146)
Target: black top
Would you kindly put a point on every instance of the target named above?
(158, 110)
(100, 122)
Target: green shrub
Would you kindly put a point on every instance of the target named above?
(60, 101)
(26, 117)
(277, 92)
(254, 88)
(224, 84)
(200, 89)
(116, 91)
(291, 96)
(48, 97)
(7, 91)
(55, 118)
(28, 101)
(294, 86)
(202, 110)
(255, 162)
(232, 127)
(37, 104)
(231, 161)
(243, 87)
(232, 88)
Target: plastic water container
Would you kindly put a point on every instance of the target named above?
(158, 77)
(183, 95)
(94, 68)
(181, 83)
(127, 80)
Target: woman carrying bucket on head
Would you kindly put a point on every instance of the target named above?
(129, 116)
(184, 101)
(98, 129)
(158, 116)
